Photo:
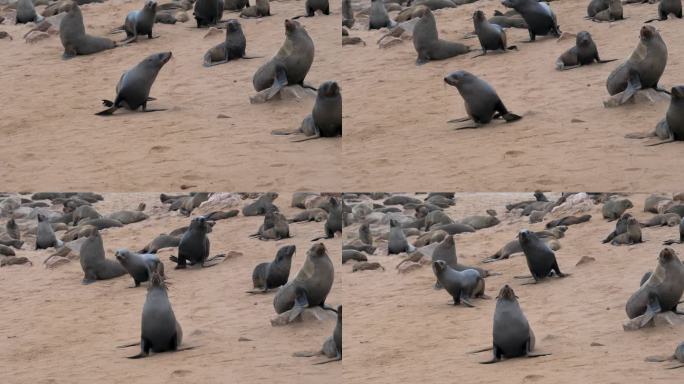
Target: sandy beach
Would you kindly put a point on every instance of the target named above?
(396, 132)
(398, 328)
(50, 132)
(53, 329)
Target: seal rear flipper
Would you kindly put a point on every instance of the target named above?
(214, 260)
(510, 117)
(336, 358)
(512, 48)
(129, 345)
(485, 349)
(537, 354)
(108, 112)
(675, 366)
(301, 302)
(285, 132)
(306, 353)
(658, 359)
(305, 138)
(605, 61)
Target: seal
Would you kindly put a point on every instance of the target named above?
(93, 262)
(665, 7)
(348, 14)
(311, 6)
(540, 19)
(352, 254)
(332, 347)
(139, 266)
(235, 5)
(208, 12)
(461, 285)
(74, 39)
(662, 219)
(378, 17)
(612, 13)
(512, 334)
(274, 274)
(681, 235)
(334, 222)
(596, 6)
(550, 237)
(620, 228)
(45, 236)
(84, 212)
(643, 68)
(194, 245)
(26, 12)
(632, 234)
(290, 65)
(614, 208)
(128, 217)
(161, 241)
(159, 331)
(133, 89)
(262, 205)
(326, 118)
(261, 9)
(454, 228)
(480, 221)
(492, 36)
(275, 227)
(481, 100)
(671, 127)
(397, 240)
(232, 48)
(314, 214)
(540, 258)
(310, 287)
(12, 229)
(567, 221)
(139, 23)
(661, 292)
(436, 218)
(427, 43)
(677, 356)
(583, 53)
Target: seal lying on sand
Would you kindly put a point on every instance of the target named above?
(74, 38)
(661, 292)
(133, 89)
(481, 101)
(583, 53)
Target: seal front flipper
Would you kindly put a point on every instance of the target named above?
(301, 303)
(604, 61)
(633, 85)
(279, 81)
(652, 309)
(214, 260)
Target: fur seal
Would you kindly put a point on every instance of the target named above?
(274, 274)
(661, 292)
(12, 229)
(231, 49)
(437, 218)
(480, 221)
(512, 334)
(665, 7)
(378, 17)
(261, 9)
(347, 14)
(662, 219)
(74, 38)
(461, 285)
(397, 240)
(632, 234)
(614, 208)
(334, 222)
(481, 101)
(492, 36)
(194, 245)
(84, 212)
(139, 266)
(612, 13)
(26, 12)
(93, 262)
(677, 356)
(583, 53)
(352, 254)
(681, 235)
(290, 65)
(332, 347)
(567, 221)
(235, 5)
(133, 88)
(314, 214)
(208, 12)
(140, 22)
(311, 6)
(128, 217)
(454, 228)
(159, 242)
(45, 236)
(643, 68)
(596, 6)
(671, 127)
(310, 287)
(427, 43)
(539, 17)
(262, 205)
(540, 258)
(159, 331)
(275, 227)
(620, 228)
(326, 118)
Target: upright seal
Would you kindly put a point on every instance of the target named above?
(74, 38)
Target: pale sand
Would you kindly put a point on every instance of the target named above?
(397, 138)
(53, 329)
(49, 130)
(398, 328)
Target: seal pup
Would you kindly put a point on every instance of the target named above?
(427, 43)
(311, 6)
(332, 347)
(261, 9)
(397, 240)
(231, 49)
(159, 331)
(481, 100)
(348, 14)
(133, 88)
(512, 335)
(74, 38)
(492, 36)
(290, 65)
(632, 234)
(671, 127)
(378, 17)
(93, 262)
(614, 208)
(26, 12)
(310, 287)
(194, 245)
(461, 285)
(326, 118)
(612, 13)
(643, 68)
(139, 22)
(139, 266)
(662, 219)
(540, 19)
(620, 228)
(567, 221)
(273, 274)
(262, 205)
(208, 12)
(661, 292)
(583, 53)
(665, 7)
(596, 6)
(45, 236)
(540, 258)
(334, 223)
